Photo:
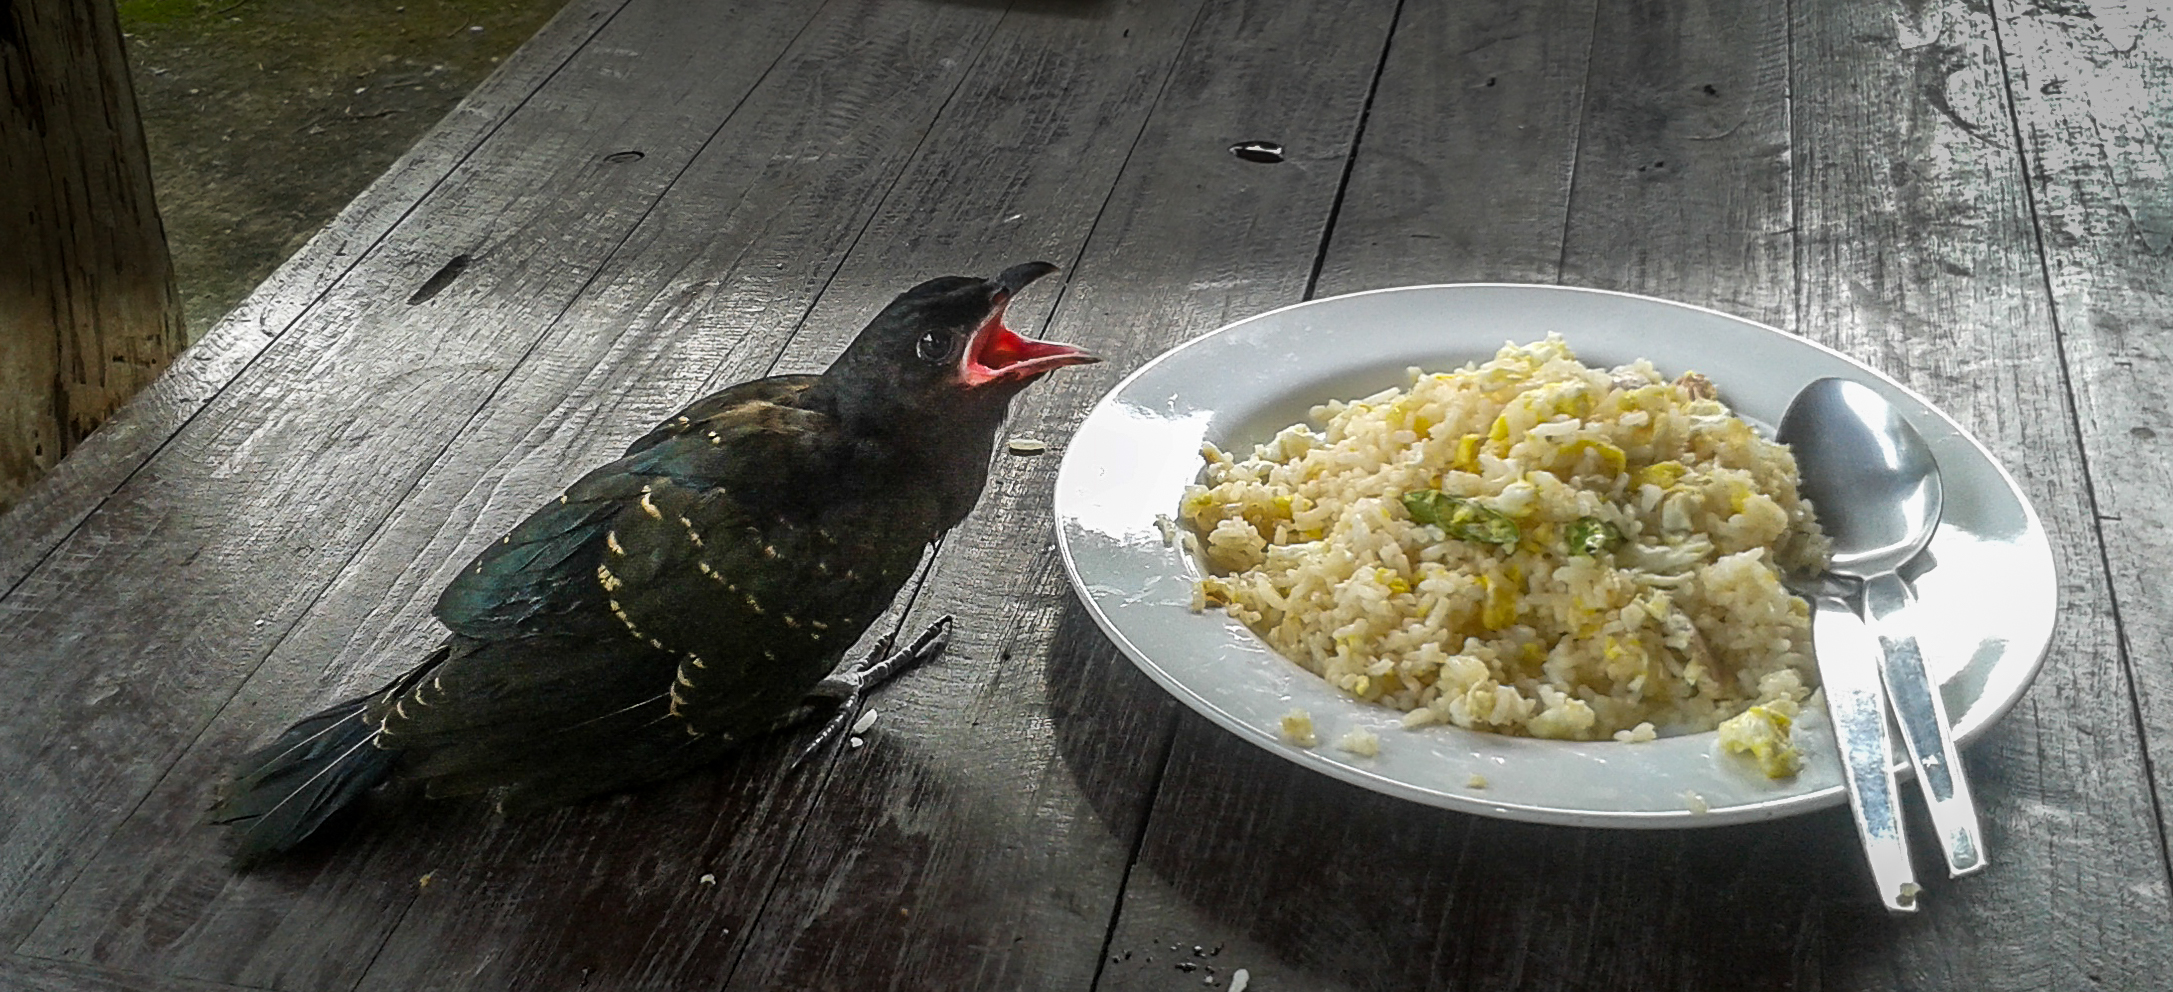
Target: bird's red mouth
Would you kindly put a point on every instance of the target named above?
(999, 353)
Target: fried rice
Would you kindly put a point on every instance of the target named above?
(1526, 546)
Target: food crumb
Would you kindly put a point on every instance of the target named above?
(1361, 742)
(1694, 802)
(867, 719)
(1909, 892)
(424, 882)
(854, 742)
(1640, 734)
(709, 878)
(1026, 446)
(1298, 728)
(1239, 979)
(1762, 733)
(1167, 527)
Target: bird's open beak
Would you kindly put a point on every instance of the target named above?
(997, 353)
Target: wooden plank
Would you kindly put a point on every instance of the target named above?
(50, 511)
(88, 312)
(1309, 883)
(20, 973)
(980, 840)
(150, 616)
(2093, 90)
(1919, 255)
(1683, 170)
(702, 285)
(1471, 142)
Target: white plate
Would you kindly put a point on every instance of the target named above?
(1986, 604)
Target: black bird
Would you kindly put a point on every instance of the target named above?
(695, 593)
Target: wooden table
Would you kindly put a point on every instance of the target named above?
(654, 198)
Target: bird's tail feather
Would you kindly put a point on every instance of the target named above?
(284, 791)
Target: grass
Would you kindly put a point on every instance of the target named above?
(264, 117)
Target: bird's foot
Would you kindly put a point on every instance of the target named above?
(853, 680)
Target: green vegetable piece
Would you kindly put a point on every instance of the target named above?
(1589, 536)
(1424, 506)
(1460, 517)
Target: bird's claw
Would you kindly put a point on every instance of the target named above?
(855, 680)
(925, 647)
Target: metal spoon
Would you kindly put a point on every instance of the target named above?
(1876, 488)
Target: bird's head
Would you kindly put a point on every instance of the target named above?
(941, 351)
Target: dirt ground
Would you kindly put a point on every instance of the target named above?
(264, 117)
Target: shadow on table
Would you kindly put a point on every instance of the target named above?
(651, 888)
(1289, 871)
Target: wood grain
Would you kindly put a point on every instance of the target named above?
(1683, 169)
(47, 513)
(981, 838)
(1471, 142)
(19, 973)
(1919, 256)
(1310, 883)
(2092, 86)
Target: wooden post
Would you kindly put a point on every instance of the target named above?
(88, 312)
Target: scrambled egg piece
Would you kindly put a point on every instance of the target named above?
(1298, 729)
(1762, 733)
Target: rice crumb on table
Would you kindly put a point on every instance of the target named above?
(1527, 546)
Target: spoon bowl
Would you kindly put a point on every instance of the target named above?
(1868, 474)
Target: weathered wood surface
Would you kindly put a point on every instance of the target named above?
(88, 312)
(2093, 95)
(1971, 199)
(1918, 254)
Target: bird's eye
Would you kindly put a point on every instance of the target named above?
(933, 347)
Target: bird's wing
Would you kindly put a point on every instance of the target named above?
(758, 591)
(703, 413)
(541, 578)
(571, 630)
